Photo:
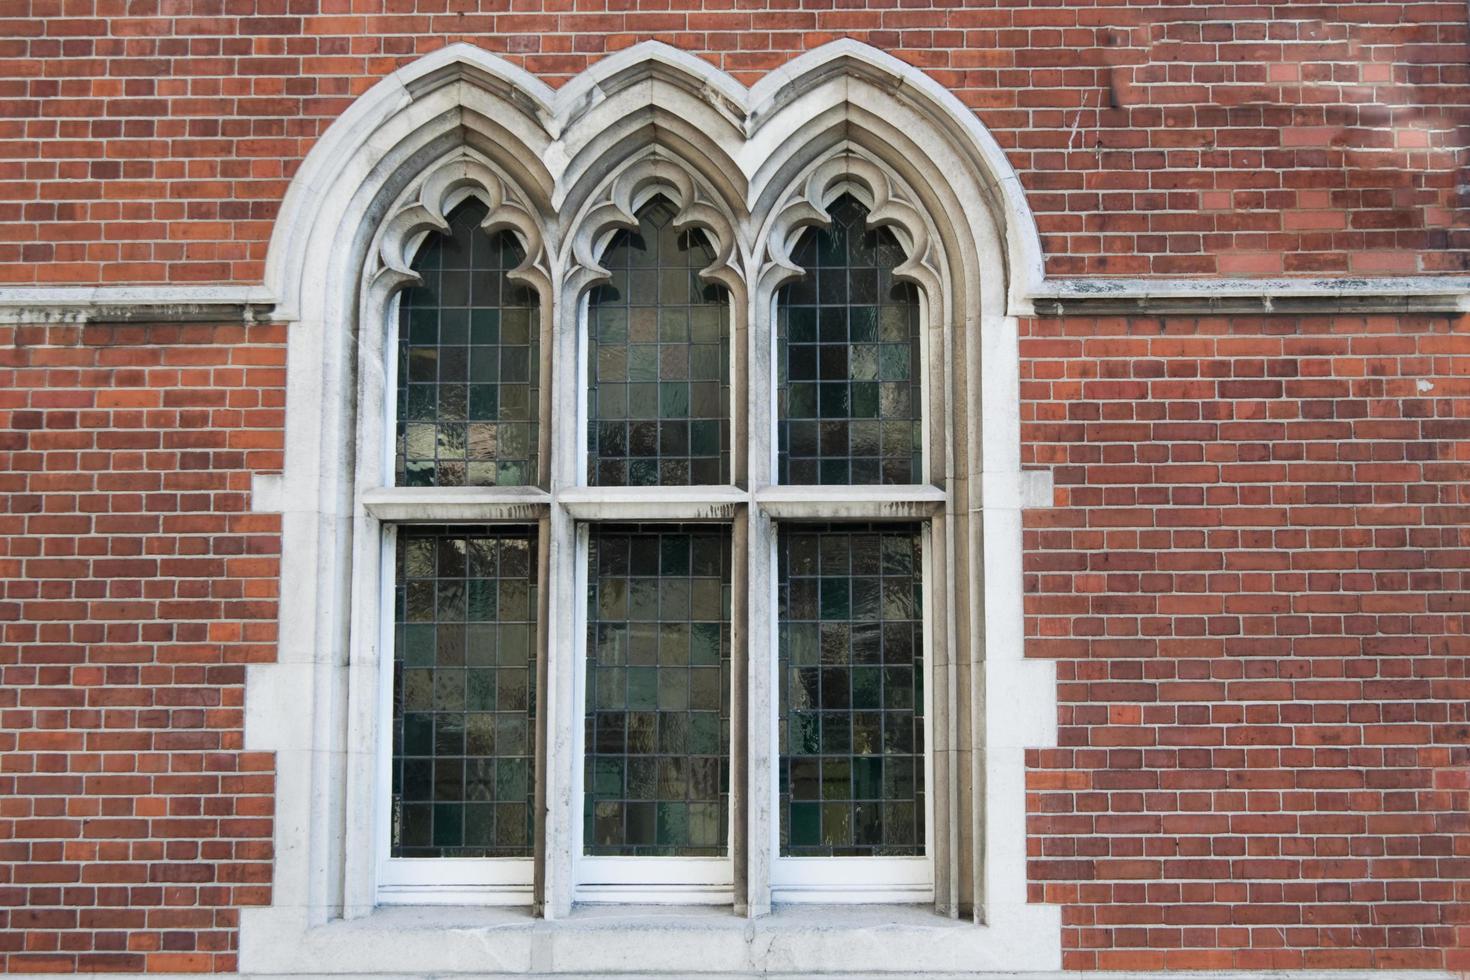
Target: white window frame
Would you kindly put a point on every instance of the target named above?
(631, 880)
(429, 881)
(611, 208)
(419, 881)
(859, 880)
(851, 880)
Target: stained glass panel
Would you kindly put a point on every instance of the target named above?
(850, 641)
(847, 362)
(464, 692)
(657, 760)
(468, 362)
(658, 356)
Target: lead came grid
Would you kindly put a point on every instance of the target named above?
(464, 692)
(468, 362)
(658, 346)
(851, 666)
(658, 691)
(848, 393)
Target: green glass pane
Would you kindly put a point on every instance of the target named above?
(463, 692)
(850, 641)
(659, 358)
(656, 771)
(848, 348)
(467, 351)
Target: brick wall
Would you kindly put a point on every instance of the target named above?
(148, 142)
(134, 589)
(1257, 591)
(1255, 585)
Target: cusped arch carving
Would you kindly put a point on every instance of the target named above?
(890, 205)
(614, 206)
(443, 187)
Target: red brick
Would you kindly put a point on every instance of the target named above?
(125, 795)
(1316, 734)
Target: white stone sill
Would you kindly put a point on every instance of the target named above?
(620, 940)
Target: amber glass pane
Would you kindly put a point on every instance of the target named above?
(468, 362)
(851, 639)
(847, 386)
(657, 771)
(464, 692)
(658, 353)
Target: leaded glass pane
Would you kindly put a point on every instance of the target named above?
(464, 692)
(851, 640)
(658, 359)
(848, 392)
(657, 760)
(469, 365)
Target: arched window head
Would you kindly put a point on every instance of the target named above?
(468, 361)
(658, 360)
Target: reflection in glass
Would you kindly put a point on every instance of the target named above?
(468, 363)
(847, 386)
(852, 700)
(658, 357)
(657, 759)
(464, 692)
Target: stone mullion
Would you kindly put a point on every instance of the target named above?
(759, 743)
(555, 873)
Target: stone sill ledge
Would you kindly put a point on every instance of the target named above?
(687, 941)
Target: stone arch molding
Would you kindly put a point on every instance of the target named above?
(555, 149)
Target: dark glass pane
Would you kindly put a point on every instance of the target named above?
(847, 360)
(657, 758)
(851, 639)
(658, 343)
(468, 363)
(464, 692)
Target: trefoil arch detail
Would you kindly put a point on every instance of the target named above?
(443, 187)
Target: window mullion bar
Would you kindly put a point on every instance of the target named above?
(557, 762)
(760, 802)
(677, 504)
(541, 748)
(851, 503)
(740, 722)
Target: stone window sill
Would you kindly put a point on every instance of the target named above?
(798, 940)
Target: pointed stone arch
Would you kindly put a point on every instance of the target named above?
(560, 169)
(554, 143)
